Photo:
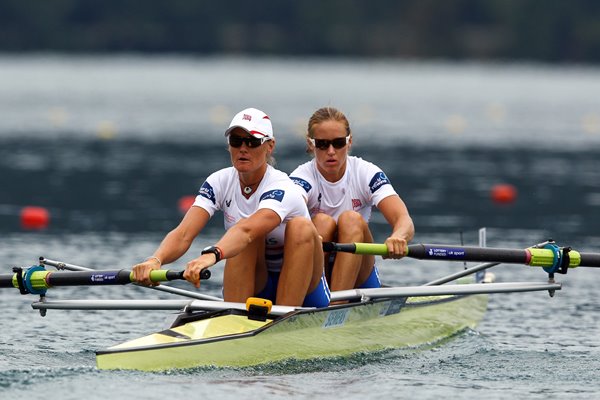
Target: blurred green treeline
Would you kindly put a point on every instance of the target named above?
(542, 30)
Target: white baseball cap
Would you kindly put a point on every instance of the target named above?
(253, 121)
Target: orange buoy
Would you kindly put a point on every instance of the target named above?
(185, 203)
(503, 193)
(34, 218)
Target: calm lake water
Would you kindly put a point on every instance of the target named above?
(109, 145)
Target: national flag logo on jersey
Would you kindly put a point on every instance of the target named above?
(302, 183)
(276, 194)
(207, 191)
(379, 179)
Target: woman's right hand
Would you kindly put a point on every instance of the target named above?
(141, 271)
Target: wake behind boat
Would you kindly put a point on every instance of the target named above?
(210, 332)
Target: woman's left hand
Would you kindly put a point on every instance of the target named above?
(195, 267)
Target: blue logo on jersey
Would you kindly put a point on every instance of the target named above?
(207, 191)
(379, 179)
(275, 194)
(302, 183)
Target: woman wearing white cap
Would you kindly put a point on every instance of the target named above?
(272, 249)
(340, 191)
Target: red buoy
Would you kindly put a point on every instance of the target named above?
(185, 203)
(503, 193)
(34, 218)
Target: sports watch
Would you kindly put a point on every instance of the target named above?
(214, 250)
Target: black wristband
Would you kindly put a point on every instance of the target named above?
(214, 250)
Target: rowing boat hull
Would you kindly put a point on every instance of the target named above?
(231, 339)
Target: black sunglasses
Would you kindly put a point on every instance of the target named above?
(337, 143)
(251, 142)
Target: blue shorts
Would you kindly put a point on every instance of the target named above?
(372, 281)
(319, 297)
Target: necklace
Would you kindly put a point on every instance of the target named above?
(248, 189)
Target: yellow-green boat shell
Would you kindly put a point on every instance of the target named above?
(231, 339)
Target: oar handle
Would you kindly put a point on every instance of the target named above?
(162, 275)
(375, 249)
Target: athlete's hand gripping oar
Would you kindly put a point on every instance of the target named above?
(37, 280)
(551, 257)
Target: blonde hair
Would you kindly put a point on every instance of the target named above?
(326, 114)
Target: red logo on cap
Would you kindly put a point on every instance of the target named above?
(247, 117)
